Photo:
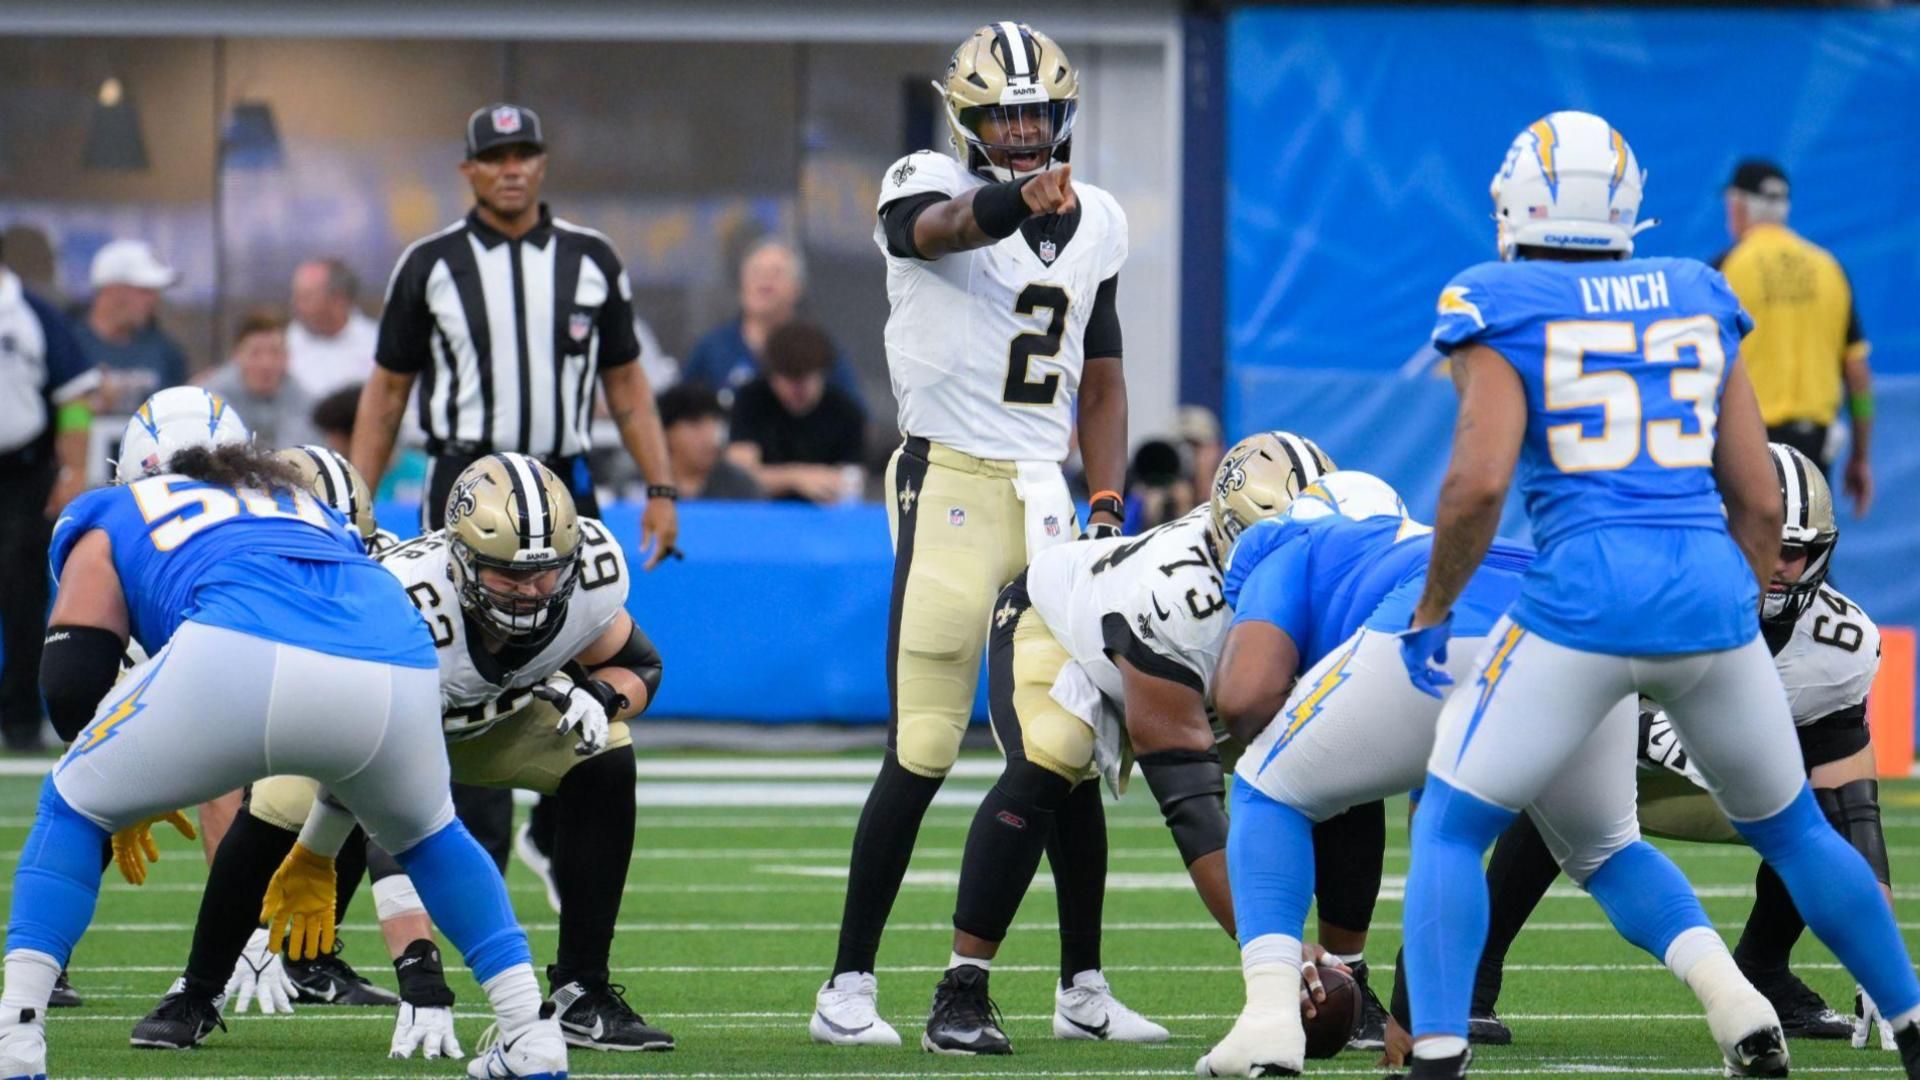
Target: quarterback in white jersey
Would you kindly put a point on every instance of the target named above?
(1101, 656)
(1003, 341)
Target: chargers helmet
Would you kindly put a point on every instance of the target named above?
(1348, 493)
(1010, 90)
(170, 421)
(1258, 479)
(1569, 181)
(509, 513)
(1810, 526)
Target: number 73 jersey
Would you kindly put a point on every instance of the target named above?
(479, 688)
(985, 347)
(1154, 599)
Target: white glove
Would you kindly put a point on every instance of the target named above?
(579, 710)
(429, 1029)
(260, 975)
(1867, 1020)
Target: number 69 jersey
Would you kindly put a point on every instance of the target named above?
(479, 688)
(985, 347)
(1154, 599)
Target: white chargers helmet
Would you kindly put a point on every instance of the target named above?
(171, 421)
(1348, 493)
(1570, 181)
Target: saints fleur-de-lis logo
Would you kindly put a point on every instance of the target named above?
(907, 495)
(463, 500)
(1005, 615)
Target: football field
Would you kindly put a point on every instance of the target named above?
(729, 925)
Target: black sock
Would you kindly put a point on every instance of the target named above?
(542, 820)
(1773, 926)
(488, 815)
(593, 846)
(1077, 851)
(243, 864)
(1004, 844)
(882, 847)
(1348, 850)
(348, 868)
(1518, 876)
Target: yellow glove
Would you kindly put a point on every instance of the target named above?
(134, 841)
(298, 910)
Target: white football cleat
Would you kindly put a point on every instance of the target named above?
(23, 1049)
(1088, 1010)
(537, 861)
(1866, 1017)
(535, 1052)
(846, 1013)
(1264, 1043)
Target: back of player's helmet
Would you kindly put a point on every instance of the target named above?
(1011, 97)
(171, 421)
(1570, 182)
(1810, 530)
(334, 481)
(1258, 479)
(1348, 493)
(515, 538)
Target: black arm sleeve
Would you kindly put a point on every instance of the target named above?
(77, 668)
(640, 657)
(897, 218)
(1103, 326)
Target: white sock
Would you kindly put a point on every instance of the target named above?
(1350, 959)
(1270, 965)
(1910, 1016)
(515, 996)
(1440, 1047)
(1691, 947)
(29, 983)
(1268, 949)
(957, 960)
(1734, 1008)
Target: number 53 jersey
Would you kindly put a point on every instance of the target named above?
(479, 688)
(985, 347)
(1624, 364)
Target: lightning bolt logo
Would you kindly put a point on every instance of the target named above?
(108, 726)
(1545, 142)
(145, 415)
(1619, 164)
(1496, 669)
(1311, 705)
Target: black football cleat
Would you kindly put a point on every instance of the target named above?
(181, 1021)
(1370, 1031)
(1908, 1041)
(1804, 1014)
(963, 1019)
(1489, 1030)
(594, 1015)
(64, 995)
(330, 980)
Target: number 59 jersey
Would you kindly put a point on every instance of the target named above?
(479, 688)
(985, 347)
(1623, 364)
(1154, 599)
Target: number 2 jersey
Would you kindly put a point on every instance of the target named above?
(1624, 364)
(479, 688)
(1154, 599)
(279, 566)
(985, 347)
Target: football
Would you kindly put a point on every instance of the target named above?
(1334, 1019)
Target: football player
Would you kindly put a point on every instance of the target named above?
(1099, 658)
(1002, 274)
(1827, 652)
(274, 641)
(1616, 383)
(540, 668)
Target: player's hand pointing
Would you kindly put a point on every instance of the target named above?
(1051, 192)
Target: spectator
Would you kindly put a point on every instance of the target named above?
(1806, 342)
(772, 281)
(330, 344)
(44, 422)
(1199, 429)
(120, 334)
(799, 437)
(333, 417)
(255, 380)
(1160, 486)
(696, 430)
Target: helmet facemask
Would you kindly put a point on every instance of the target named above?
(514, 613)
(510, 519)
(1011, 141)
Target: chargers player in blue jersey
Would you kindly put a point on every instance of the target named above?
(276, 646)
(1615, 385)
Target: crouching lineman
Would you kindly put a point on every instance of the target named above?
(275, 642)
(1098, 657)
(540, 668)
(1356, 727)
(1827, 651)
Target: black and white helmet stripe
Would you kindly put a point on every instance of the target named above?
(337, 488)
(530, 498)
(1017, 50)
(1791, 469)
(1306, 462)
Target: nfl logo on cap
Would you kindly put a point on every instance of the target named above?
(506, 120)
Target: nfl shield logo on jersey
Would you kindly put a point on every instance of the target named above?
(1048, 251)
(1052, 525)
(506, 119)
(956, 517)
(579, 325)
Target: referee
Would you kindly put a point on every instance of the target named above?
(1806, 346)
(505, 318)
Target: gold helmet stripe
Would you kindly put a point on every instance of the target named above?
(1014, 39)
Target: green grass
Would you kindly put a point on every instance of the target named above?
(729, 925)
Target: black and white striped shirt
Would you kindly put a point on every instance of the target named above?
(507, 335)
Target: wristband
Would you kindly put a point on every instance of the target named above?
(73, 416)
(1860, 405)
(422, 979)
(1107, 502)
(603, 692)
(663, 491)
(999, 208)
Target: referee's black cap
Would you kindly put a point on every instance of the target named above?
(1758, 176)
(501, 124)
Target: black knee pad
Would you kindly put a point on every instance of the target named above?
(1024, 782)
(1192, 793)
(1854, 809)
(604, 779)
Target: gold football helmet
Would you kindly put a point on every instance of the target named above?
(1259, 479)
(1011, 97)
(1810, 528)
(334, 481)
(516, 543)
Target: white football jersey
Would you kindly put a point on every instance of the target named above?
(1830, 661)
(479, 688)
(1155, 599)
(985, 347)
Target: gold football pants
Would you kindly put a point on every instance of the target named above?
(1023, 660)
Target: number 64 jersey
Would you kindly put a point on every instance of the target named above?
(985, 347)
(479, 688)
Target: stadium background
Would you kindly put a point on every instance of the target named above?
(1300, 183)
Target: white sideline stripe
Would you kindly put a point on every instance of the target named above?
(1589, 1067)
(834, 927)
(935, 969)
(750, 768)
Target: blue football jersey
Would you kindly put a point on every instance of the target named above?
(1624, 364)
(1322, 580)
(279, 566)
